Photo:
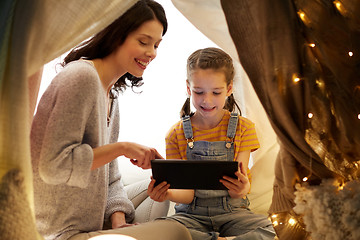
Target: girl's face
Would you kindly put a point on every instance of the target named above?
(139, 48)
(208, 91)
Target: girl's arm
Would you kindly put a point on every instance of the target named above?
(238, 188)
(162, 192)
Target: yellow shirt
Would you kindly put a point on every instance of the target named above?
(245, 137)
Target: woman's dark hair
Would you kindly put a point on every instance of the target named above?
(218, 60)
(109, 39)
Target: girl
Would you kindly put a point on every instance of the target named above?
(213, 133)
(75, 130)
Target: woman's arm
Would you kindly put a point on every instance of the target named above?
(138, 154)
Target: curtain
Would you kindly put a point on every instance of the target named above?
(302, 58)
(33, 32)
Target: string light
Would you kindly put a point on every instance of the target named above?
(312, 45)
(295, 78)
(288, 225)
(303, 17)
(310, 115)
(339, 6)
(351, 54)
(292, 221)
(359, 116)
(305, 179)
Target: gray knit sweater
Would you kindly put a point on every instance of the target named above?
(70, 121)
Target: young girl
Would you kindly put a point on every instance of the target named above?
(77, 184)
(213, 133)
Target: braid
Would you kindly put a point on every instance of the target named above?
(231, 103)
(185, 110)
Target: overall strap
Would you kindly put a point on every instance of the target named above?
(188, 130)
(231, 131)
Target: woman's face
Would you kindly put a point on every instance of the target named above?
(208, 91)
(139, 48)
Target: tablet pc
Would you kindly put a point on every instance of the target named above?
(193, 174)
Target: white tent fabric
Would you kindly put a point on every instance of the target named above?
(208, 17)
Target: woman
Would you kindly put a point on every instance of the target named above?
(75, 130)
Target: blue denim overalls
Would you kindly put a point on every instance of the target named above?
(214, 212)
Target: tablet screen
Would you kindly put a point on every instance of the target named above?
(191, 174)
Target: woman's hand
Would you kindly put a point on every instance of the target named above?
(158, 193)
(140, 155)
(237, 188)
(118, 220)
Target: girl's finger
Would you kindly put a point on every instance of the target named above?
(243, 169)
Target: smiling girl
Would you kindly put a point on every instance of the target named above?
(213, 132)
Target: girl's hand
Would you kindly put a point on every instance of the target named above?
(237, 188)
(158, 193)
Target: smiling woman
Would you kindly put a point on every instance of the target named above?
(74, 133)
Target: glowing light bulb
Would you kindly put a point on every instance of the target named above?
(351, 54)
(312, 45)
(310, 115)
(295, 77)
(337, 4)
(274, 216)
(275, 223)
(292, 221)
(359, 116)
(302, 15)
(305, 179)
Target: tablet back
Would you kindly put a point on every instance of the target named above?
(190, 174)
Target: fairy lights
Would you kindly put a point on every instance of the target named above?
(288, 225)
(310, 115)
(302, 15)
(338, 5)
(351, 54)
(296, 78)
(292, 221)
